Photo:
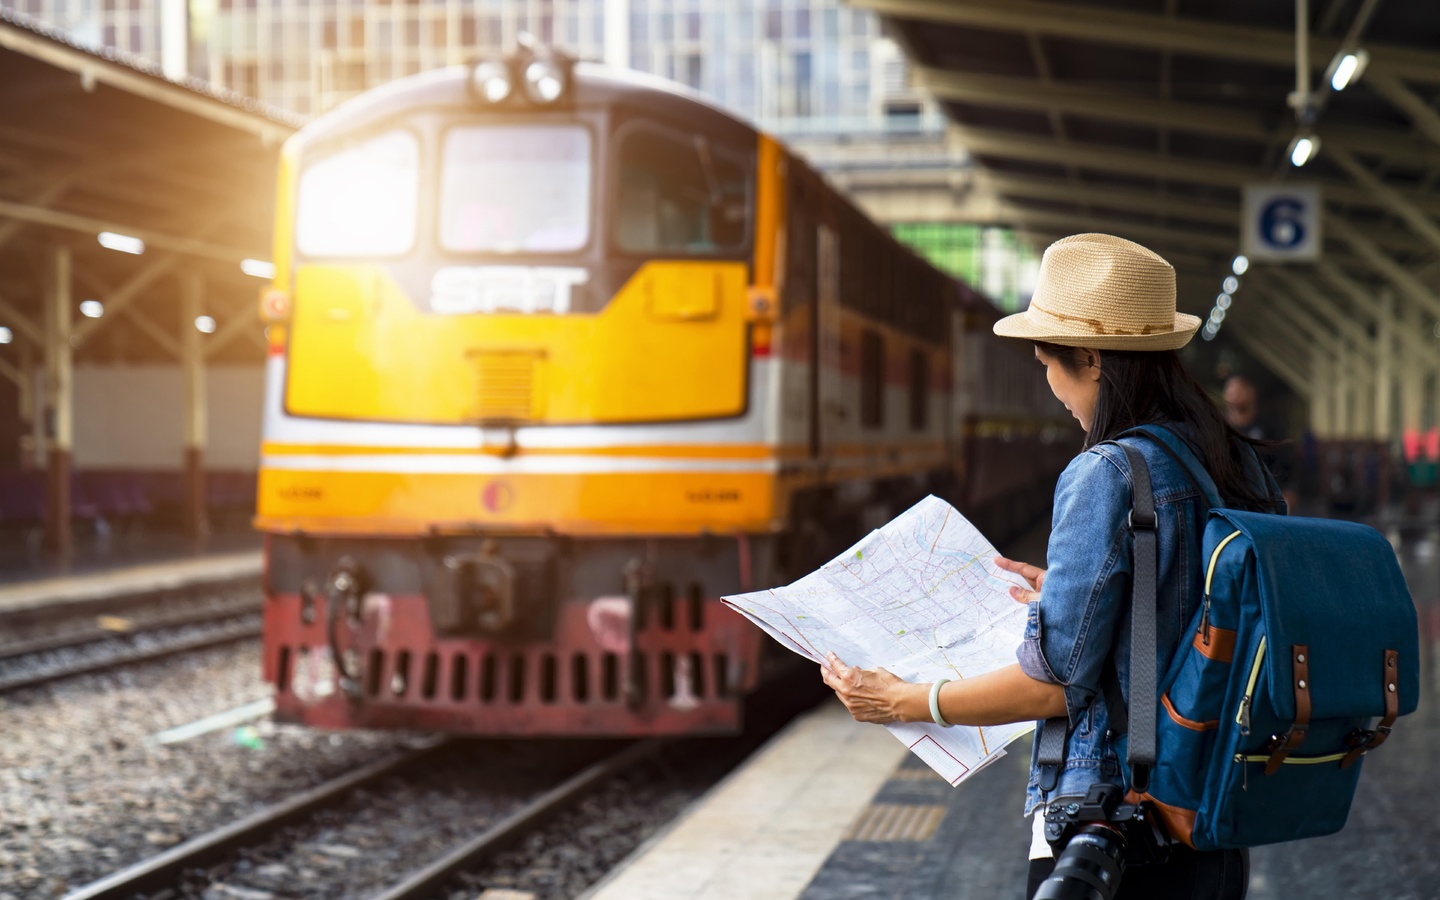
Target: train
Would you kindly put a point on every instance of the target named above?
(559, 355)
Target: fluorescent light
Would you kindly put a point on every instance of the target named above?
(1303, 149)
(1223, 301)
(258, 267)
(205, 324)
(1218, 315)
(6, 335)
(1231, 284)
(92, 309)
(122, 242)
(1349, 69)
(1240, 264)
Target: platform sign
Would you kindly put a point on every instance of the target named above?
(1281, 222)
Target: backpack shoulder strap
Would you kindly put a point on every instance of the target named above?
(1184, 455)
(1140, 753)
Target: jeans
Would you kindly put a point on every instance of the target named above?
(1188, 875)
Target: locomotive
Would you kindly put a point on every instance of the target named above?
(559, 355)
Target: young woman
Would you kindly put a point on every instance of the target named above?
(1104, 326)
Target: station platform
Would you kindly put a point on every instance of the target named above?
(99, 584)
(831, 809)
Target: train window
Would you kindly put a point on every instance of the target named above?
(515, 189)
(872, 379)
(919, 389)
(361, 200)
(679, 194)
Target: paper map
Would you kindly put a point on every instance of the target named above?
(921, 597)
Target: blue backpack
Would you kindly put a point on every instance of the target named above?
(1306, 635)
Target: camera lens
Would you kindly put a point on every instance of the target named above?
(1089, 868)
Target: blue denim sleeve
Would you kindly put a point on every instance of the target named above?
(1072, 627)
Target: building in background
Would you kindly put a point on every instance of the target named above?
(814, 72)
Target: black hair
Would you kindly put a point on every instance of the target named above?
(1155, 388)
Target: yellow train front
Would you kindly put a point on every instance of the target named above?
(560, 355)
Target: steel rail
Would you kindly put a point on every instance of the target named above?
(422, 883)
(202, 642)
(81, 637)
(160, 870)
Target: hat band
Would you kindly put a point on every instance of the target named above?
(1095, 326)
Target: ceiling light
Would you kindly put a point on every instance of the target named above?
(205, 324)
(258, 268)
(122, 242)
(1231, 284)
(1303, 149)
(92, 309)
(1240, 264)
(1349, 69)
(1223, 301)
(6, 335)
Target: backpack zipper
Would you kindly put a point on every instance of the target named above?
(1209, 574)
(1290, 760)
(1243, 716)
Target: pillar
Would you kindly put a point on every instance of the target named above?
(31, 388)
(617, 33)
(60, 390)
(1412, 374)
(192, 365)
(1321, 389)
(1383, 428)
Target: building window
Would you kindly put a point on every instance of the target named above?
(919, 389)
(872, 379)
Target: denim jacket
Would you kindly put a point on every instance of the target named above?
(1083, 615)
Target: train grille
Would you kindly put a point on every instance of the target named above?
(506, 386)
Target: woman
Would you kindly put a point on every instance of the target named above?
(1104, 326)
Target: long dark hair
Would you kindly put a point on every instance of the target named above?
(1154, 388)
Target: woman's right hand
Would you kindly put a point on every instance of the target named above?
(1033, 575)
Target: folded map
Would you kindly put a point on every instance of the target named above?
(921, 597)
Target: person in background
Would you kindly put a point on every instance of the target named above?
(1242, 412)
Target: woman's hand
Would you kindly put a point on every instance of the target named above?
(1033, 575)
(871, 695)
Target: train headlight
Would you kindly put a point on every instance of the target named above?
(544, 81)
(491, 81)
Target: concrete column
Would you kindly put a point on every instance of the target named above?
(1382, 428)
(1321, 391)
(1343, 423)
(1412, 374)
(617, 33)
(30, 420)
(60, 390)
(192, 364)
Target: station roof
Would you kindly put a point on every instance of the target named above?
(1146, 118)
(96, 140)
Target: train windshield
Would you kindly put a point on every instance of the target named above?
(515, 189)
(362, 199)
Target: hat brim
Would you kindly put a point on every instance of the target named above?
(1022, 326)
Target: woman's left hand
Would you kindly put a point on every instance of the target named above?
(871, 695)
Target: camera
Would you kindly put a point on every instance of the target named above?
(1095, 838)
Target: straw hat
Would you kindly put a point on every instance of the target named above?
(1101, 291)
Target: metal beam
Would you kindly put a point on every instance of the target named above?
(95, 69)
(12, 372)
(1129, 162)
(1257, 348)
(159, 240)
(1378, 260)
(1422, 114)
(117, 300)
(22, 322)
(1388, 197)
(1138, 109)
(1419, 350)
(1117, 28)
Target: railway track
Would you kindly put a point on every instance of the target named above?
(40, 660)
(165, 869)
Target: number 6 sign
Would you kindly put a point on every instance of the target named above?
(1281, 222)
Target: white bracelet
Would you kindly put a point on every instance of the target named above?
(935, 702)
